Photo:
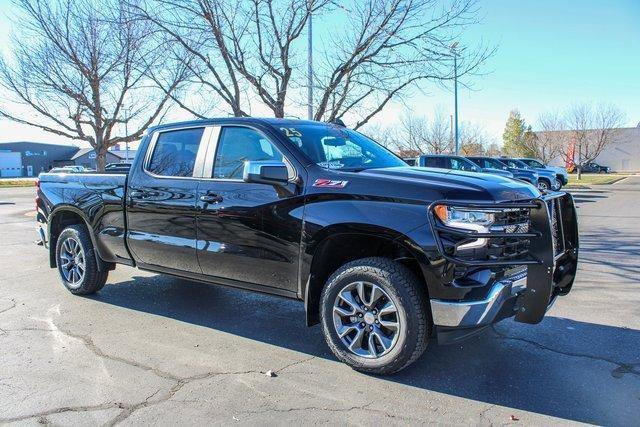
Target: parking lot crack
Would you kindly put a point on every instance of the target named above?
(12, 305)
(91, 346)
(61, 410)
(298, 362)
(622, 368)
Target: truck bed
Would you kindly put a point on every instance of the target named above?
(98, 198)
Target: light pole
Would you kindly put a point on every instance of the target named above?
(455, 91)
(310, 64)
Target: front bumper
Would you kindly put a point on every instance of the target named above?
(499, 303)
(551, 264)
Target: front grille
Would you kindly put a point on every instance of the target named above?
(512, 239)
(509, 248)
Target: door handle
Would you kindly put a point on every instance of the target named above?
(211, 198)
(138, 194)
(142, 194)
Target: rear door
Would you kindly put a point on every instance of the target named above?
(162, 194)
(247, 232)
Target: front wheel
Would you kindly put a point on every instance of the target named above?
(543, 185)
(77, 265)
(375, 315)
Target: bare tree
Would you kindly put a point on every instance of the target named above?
(77, 64)
(473, 140)
(387, 136)
(388, 49)
(591, 130)
(547, 143)
(236, 48)
(424, 136)
(252, 50)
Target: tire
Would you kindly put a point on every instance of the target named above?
(77, 265)
(544, 185)
(557, 184)
(412, 315)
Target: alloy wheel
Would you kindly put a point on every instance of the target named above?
(72, 261)
(366, 319)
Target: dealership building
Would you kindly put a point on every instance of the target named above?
(622, 154)
(25, 158)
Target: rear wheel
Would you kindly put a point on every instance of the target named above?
(77, 265)
(375, 315)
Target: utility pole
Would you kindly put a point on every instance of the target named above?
(310, 64)
(450, 130)
(455, 92)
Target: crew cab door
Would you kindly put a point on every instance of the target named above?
(161, 196)
(248, 233)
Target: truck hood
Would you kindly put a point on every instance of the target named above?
(559, 169)
(498, 172)
(430, 184)
(547, 173)
(524, 172)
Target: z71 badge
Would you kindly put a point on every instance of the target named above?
(328, 183)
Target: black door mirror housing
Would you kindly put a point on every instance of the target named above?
(266, 172)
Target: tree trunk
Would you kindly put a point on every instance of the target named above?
(579, 172)
(101, 159)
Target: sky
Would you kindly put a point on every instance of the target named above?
(550, 54)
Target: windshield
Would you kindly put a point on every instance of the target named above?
(334, 147)
(533, 163)
(462, 164)
(492, 163)
(516, 164)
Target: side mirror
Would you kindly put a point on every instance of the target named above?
(266, 172)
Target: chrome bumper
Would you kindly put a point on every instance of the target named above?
(466, 314)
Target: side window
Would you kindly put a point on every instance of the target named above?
(237, 145)
(175, 152)
(455, 164)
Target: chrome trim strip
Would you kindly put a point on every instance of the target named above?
(464, 314)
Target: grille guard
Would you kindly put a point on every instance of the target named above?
(551, 263)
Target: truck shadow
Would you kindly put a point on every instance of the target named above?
(562, 368)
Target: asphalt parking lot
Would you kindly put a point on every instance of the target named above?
(151, 349)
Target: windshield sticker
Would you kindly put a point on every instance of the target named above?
(329, 183)
(331, 165)
(291, 132)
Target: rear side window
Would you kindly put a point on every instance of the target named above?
(237, 145)
(433, 162)
(175, 152)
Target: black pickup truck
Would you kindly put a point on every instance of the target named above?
(383, 255)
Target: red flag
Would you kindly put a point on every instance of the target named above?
(570, 163)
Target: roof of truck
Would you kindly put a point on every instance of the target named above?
(274, 121)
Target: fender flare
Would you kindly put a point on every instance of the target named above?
(52, 247)
(309, 254)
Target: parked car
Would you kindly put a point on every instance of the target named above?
(447, 161)
(64, 169)
(410, 161)
(117, 168)
(383, 255)
(518, 173)
(561, 173)
(490, 165)
(593, 167)
(546, 179)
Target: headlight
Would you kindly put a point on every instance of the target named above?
(467, 219)
(461, 218)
